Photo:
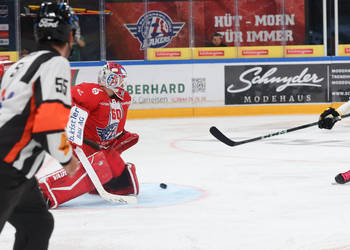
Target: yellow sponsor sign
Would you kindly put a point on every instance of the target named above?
(304, 50)
(9, 56)
(260, 51)
(214, 52)
(344, 49)
(229, 111)
(241, 52)
(169, 54)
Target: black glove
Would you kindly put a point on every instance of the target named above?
(328, 118)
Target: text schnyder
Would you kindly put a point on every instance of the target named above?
(253, 76)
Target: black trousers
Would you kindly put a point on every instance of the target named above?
(23, 206)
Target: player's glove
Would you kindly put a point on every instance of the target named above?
(328, 118)
(125, 141)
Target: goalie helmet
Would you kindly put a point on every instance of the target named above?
(54, 22)
(113, 76)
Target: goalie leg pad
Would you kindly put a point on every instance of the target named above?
(58, 187)
(115, 162)
(126, 184)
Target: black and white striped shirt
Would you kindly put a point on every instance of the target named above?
(35, 100)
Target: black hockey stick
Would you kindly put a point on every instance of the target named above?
(95, 145)
(223, 138)
(92, 144)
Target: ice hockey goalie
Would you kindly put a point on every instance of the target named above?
(104, 140)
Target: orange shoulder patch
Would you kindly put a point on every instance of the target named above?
(65, 145)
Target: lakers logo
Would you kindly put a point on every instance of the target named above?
(154, 29)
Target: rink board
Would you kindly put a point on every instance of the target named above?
(225, 87)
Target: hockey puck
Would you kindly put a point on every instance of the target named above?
(163, 185)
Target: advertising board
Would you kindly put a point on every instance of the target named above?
(340, 82)
(279, 84)
(293, 86)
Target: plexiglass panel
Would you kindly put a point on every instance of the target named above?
(261, 22)
(86, 48)
(294, 22)
(314, 25)
(138, 25)
(122, 30)
(89, 48)
(344, 21)
(214, 23)
(133, 26)
(27, 21)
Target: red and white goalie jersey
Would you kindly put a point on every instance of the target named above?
(107, 115)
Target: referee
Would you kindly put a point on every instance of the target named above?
(34, 109)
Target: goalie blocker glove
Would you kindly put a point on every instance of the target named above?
(328, 118)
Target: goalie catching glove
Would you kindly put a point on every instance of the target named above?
(328, 118)
(125, 141)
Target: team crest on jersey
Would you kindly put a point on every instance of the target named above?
(95, 91)
(107, 133)
(154, 29)
(110, 131)
(5, 97)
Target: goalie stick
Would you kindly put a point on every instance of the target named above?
(123, 199)
(224, 139)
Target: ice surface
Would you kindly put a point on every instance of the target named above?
(272, 194)
(172, 195)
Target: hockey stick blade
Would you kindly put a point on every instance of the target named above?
(122, 199)
(224, 139)
(221, 137)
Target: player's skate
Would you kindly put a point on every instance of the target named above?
(343, 178)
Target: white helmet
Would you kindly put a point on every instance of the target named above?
(113, 76)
